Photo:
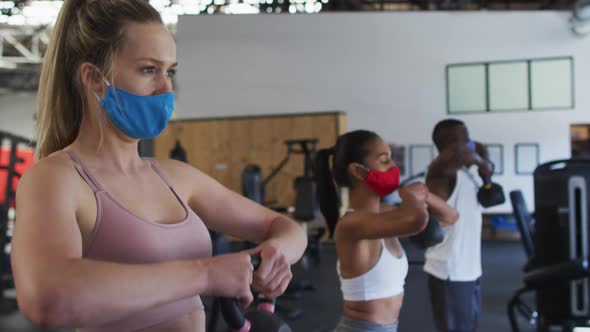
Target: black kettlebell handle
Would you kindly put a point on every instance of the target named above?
(256, 260)
(230, 308)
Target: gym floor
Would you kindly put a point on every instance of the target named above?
(502, 265)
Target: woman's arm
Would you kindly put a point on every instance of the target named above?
(56, 287)
(442, 211)
(438, 208)
(409, 218)
(229, 213)
(282, 241)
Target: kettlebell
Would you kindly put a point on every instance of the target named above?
(432, 235)
(260, 319)
(490, 194)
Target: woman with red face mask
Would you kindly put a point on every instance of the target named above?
(372, 265)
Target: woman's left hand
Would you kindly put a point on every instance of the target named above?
(274, 273)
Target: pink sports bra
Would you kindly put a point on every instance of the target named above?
(121, 236)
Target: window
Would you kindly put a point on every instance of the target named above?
(520, 85)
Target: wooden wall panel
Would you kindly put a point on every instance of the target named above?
(223, 147)
(342, 123)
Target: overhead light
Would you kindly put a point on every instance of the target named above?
(45, 12)
(582, 10)
(240, 8)
(580, 28)
(6, 4)
(580, 22)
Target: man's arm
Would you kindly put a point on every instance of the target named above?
(442, 172)
(486, 169)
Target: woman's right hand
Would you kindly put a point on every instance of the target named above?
(231, 276)
(414, 191)
(414, 198)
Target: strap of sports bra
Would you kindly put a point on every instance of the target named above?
(159, 171)
(84, 172)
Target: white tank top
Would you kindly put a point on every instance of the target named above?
(458, 256)
(385, 279)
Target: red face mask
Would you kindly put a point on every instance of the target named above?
(383, 183)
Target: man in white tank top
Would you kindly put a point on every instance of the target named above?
(454, 265)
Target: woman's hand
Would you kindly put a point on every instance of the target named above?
(416, 190)
(274, 273)
(231, 276)
(414, 198)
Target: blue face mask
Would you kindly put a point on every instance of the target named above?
(139, 117)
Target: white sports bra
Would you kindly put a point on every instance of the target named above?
(385, 279)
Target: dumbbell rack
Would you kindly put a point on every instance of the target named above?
(8, 304)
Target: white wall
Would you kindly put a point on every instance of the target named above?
(16, 114)
(386, 70)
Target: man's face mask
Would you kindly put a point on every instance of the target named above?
(382, 183)
(139, 117)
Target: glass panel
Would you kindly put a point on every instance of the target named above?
(466, 88)
(509, 86)
(551, 84)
